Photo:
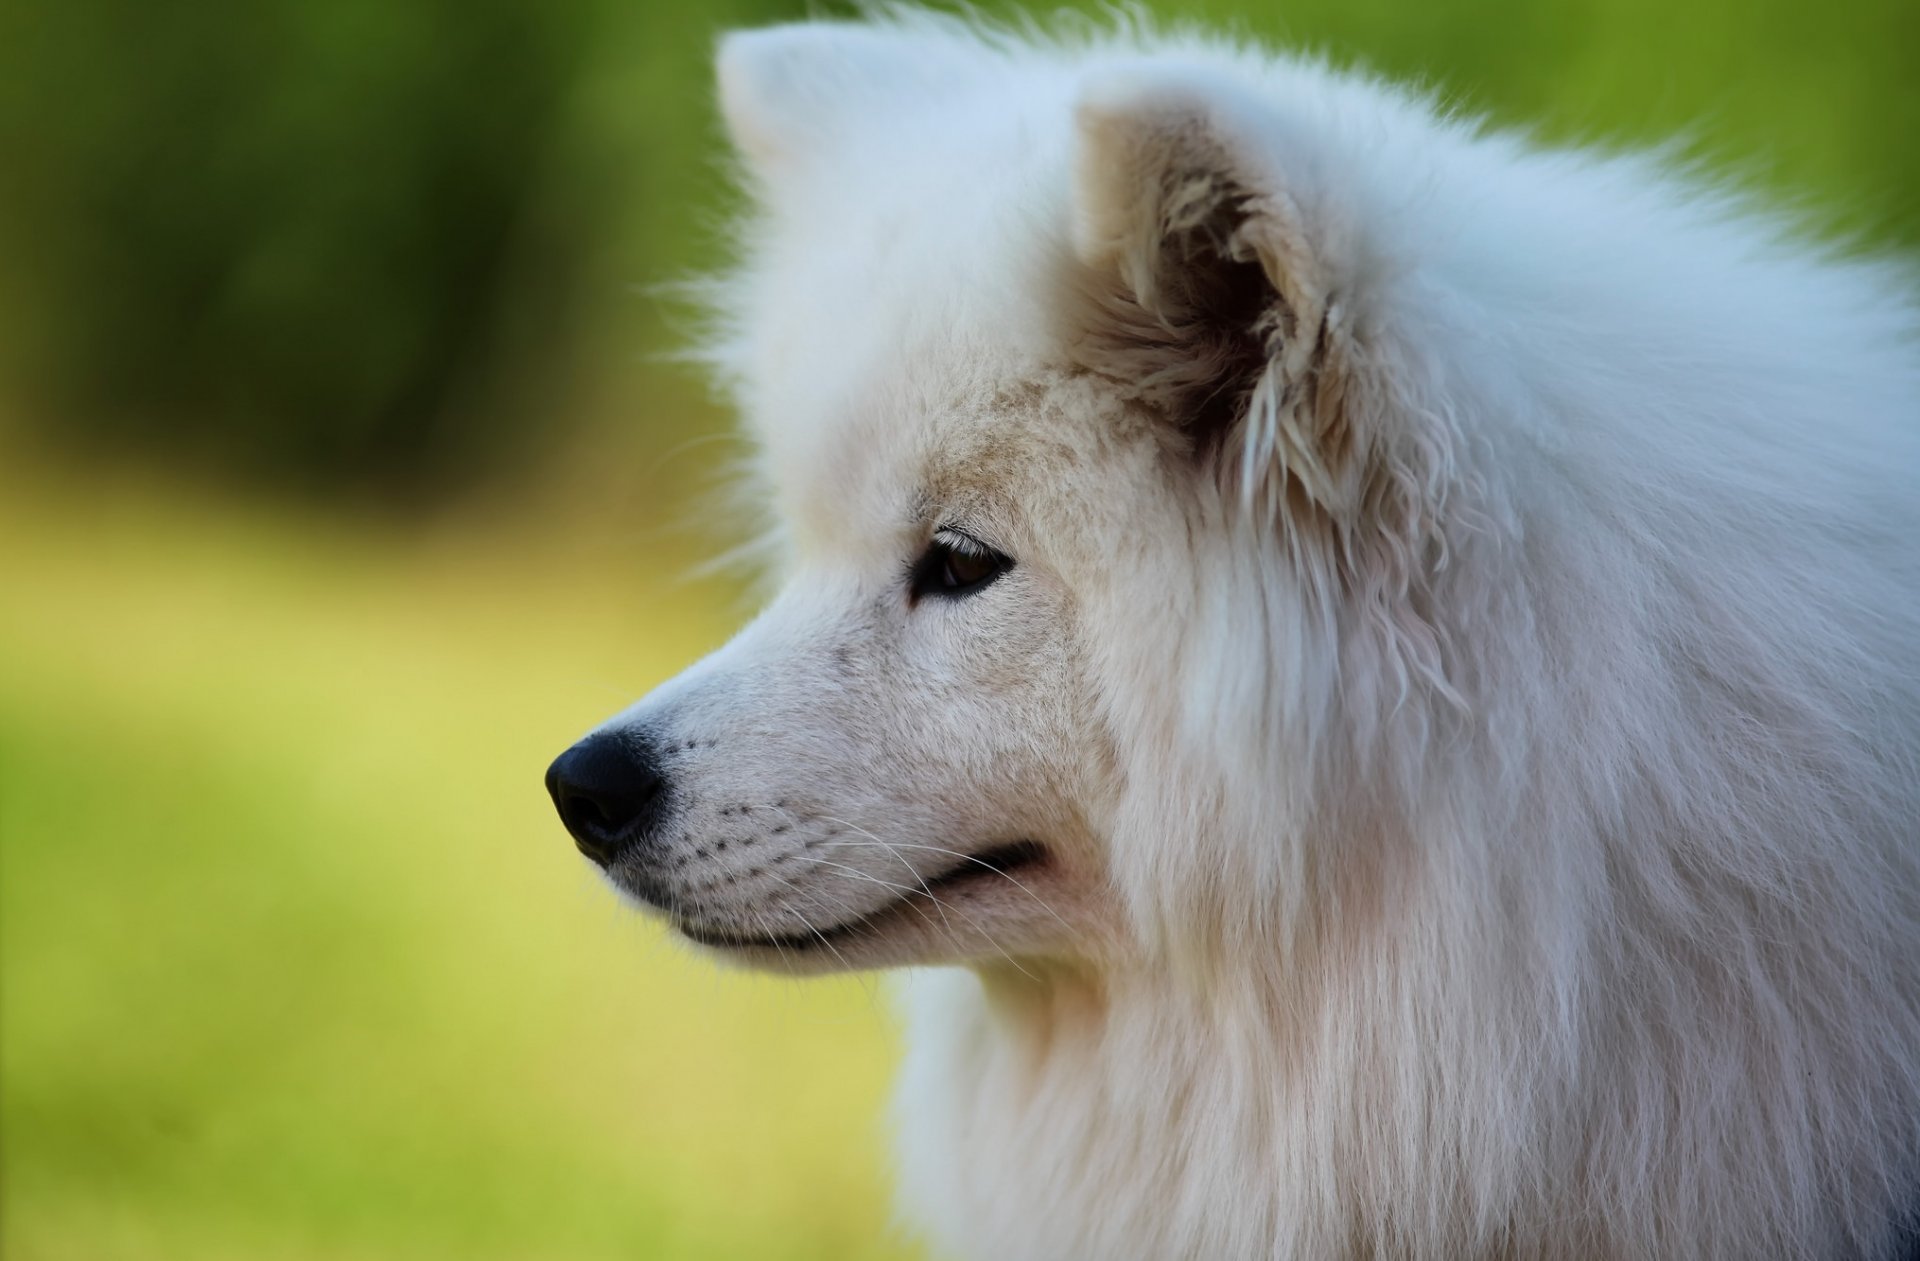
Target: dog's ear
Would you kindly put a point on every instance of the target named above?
(787, 90)
(1219, 277)
(1224, 280)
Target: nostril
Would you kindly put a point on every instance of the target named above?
(608, 790)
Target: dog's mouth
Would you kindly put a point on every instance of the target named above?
(1001, 862)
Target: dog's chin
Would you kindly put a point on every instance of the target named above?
(998, 905)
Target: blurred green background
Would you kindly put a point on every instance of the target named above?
(343, 482)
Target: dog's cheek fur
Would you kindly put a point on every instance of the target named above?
(812, 789)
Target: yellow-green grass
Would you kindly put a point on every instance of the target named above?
(298, 963)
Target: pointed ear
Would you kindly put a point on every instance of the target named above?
(786, 90)
(1221, 285)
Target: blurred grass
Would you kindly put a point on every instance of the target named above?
(294, 961)
(297, 962)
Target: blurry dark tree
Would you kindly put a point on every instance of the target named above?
(340, 241)
(378, 245)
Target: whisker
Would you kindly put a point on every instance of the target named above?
(1009, 877)
(931, 897)
(811, 898)
(923, 890)
(927, 893)
(924, 887)
(761, 922)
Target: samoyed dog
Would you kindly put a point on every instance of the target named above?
(1380, 663)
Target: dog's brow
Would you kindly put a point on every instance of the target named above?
(924, 511)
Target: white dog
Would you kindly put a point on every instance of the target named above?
(1390, 658)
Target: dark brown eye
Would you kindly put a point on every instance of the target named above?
(964, 570)
(955, 565)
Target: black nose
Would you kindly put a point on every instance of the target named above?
(608, 789)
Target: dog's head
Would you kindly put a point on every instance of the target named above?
(1084, 481)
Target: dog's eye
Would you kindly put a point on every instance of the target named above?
(955, 565)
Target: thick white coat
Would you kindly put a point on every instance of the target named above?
(1483, 776)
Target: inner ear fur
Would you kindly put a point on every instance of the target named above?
(1211, 295)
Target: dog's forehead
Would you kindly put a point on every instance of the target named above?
(897, 355)
(950, 435)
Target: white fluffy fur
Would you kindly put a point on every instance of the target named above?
(1483, 772)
